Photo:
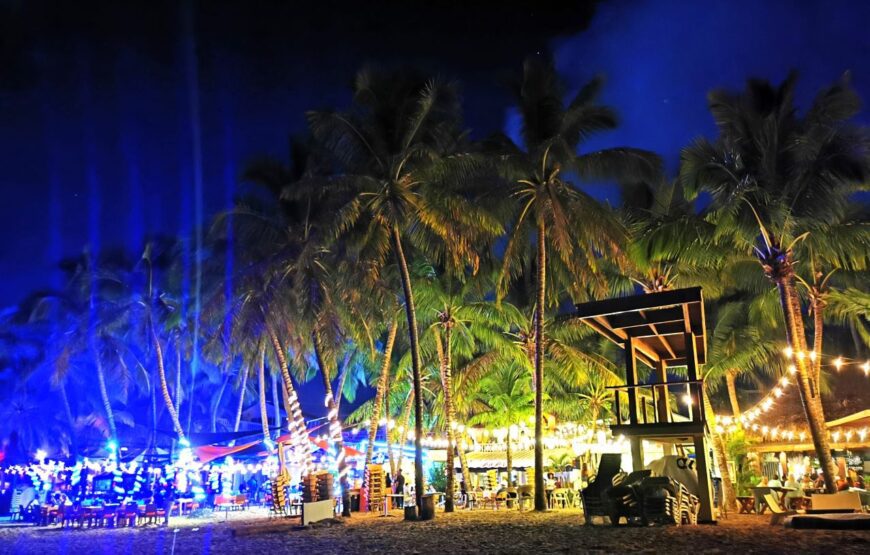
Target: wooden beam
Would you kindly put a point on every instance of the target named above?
(600, 324)
(654, 330)
(638, 302)
(641, 318)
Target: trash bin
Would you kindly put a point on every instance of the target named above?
(410, 512)
(427, 509)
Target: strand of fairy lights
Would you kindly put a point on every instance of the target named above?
(747, 419)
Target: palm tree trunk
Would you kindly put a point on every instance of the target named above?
(443, 348)
(403, 436)
(380, 393)
(540, 494)
(216, 405)
(731, 382)
(294, 414)
(796, 336)
(729, 494)
(411, 315)
(389, 437)
(818, 335)
(342, 377)
(261, 383)
(334, 426)
(241, 399)
(466, 474)
(104, 393)
(276, 408)
(178, 376)
(164, 387)
(510, 458)
(67, 409)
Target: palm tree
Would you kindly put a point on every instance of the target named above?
(153, 298)
(461, 323)
(550, 213)
(396, 169)
(779, 182)
(506, 397)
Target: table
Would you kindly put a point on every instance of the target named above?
(182, 502)
(747, 504)
(387, 502)
(760, 505)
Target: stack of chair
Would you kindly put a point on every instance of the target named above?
(309, 488)
(376, 484)
(279, 495)
(624, 498)
(594, 495)
(325, 487)
(666, 501)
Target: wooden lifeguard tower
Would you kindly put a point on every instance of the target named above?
(660, 330)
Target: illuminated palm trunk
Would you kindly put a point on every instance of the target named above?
(164, 386)
(540, 494)
(241, 400)
(729, 493)
(403, 435)
(731, 383)
(779, 268)
(381, 392)
(294, 412)
(334, 426)
(411, 315)
(104, 393)
(443, 348)
(261, 383)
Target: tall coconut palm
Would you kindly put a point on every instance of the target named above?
(393, 152)
(551, 214)
(778, 177)
(460, 324)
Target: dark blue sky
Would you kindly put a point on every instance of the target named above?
(97, 129)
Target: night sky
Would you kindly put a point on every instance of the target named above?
(98, 103)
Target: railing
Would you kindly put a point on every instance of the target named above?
(651, 403)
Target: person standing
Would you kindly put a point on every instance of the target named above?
(399, 483)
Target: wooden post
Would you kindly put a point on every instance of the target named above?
(636, 453)
(663, 404)
(705, 488)
(692, 371)
(631, 380)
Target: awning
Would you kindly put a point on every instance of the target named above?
(209, 453)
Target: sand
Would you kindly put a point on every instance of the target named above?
(479, 531)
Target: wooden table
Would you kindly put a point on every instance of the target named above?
(781, 490)
(747, 504)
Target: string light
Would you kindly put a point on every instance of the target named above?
(766, 403)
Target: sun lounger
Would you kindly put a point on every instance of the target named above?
(777, 512)
(841, 502)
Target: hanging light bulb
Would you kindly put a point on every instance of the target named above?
(838, 363)
(792, 369)
(788, 352)
(813, 356)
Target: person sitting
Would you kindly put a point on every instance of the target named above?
(842, 485)
(795, 497)
(775, 483)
